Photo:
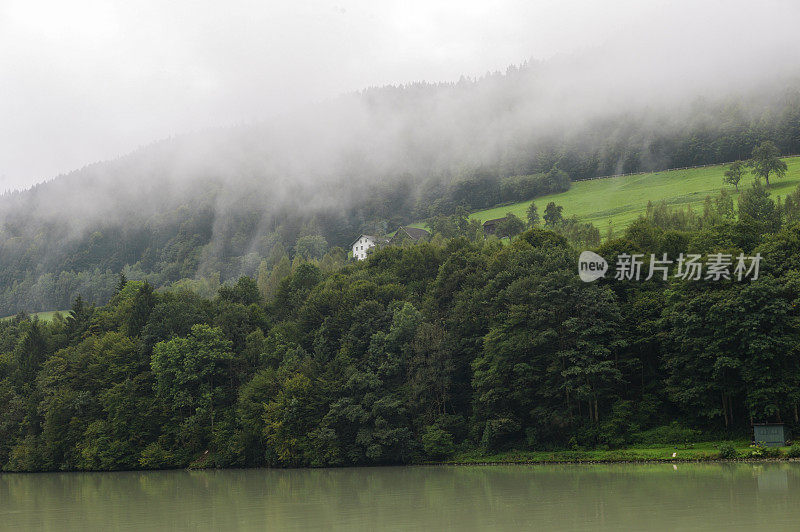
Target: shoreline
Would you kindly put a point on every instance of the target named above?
(610, 461)
(665, 461)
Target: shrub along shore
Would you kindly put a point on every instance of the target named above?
(698, 452)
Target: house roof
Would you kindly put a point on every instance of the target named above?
(414, 232)
(494, 221)
(375, 238)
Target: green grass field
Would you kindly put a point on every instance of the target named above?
(44, 316)
(637, 453)
(621, 200)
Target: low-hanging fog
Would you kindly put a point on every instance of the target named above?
(90, 80)
(274, 111)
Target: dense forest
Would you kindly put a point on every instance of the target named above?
(207, 208)
(418, 352)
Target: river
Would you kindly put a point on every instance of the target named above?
(715, 496)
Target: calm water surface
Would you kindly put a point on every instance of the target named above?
(546, 497)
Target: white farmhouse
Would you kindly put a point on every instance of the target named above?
(363, 244)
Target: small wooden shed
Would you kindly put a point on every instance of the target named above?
(770, 434)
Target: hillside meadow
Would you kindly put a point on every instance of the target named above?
(43, 316)
(620, 200)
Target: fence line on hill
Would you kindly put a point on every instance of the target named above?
(668, 170)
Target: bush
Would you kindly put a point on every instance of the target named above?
(522, 187)
(668, 434)
(525, 187)
(510, 226)
(760, 451)
(772, 452)
(155, 457)
(437, 443)
(727, 451)
(794, 451)
(756, 452)
(499, 434)
(455, 425)
(531, 438)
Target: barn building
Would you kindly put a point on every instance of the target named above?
(408, 234)
(490, 226)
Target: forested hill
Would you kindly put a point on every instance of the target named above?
(420, 352)
(205, 208)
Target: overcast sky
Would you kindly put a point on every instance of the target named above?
(83, 80)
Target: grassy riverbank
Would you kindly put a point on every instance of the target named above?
(704, 451)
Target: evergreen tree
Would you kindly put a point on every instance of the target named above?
(121, 282)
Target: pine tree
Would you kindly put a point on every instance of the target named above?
(121, 283)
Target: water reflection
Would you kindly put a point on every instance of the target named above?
(774, 478)
(557, 497)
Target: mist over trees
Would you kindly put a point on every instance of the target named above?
(206, 208)
(217, 320)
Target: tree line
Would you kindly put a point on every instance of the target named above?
(421, 351)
